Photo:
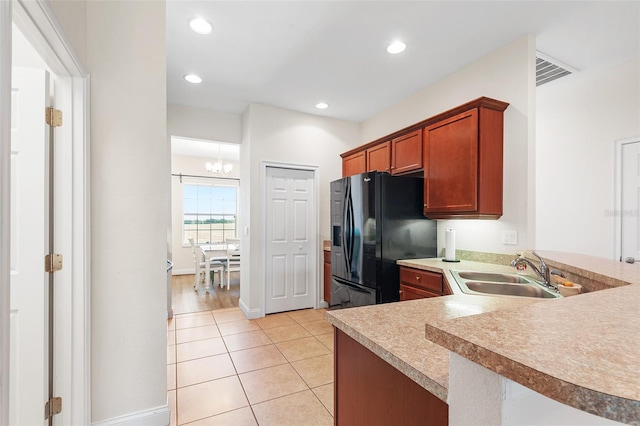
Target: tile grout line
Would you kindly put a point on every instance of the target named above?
(237, 375)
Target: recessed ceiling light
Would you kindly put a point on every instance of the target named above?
(200, 26)
(396, 47)
(192, 78)
(322, 105)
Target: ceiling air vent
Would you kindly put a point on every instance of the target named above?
(549, 69)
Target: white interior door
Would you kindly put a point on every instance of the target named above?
(291, 258)
(29, 243)
(630, 197)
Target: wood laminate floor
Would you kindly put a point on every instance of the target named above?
(185, 299)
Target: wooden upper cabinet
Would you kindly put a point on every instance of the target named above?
(354, 164)
(406, 153)
(462, 159)
(379, 157)
(460, 153)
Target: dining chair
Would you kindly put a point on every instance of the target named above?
(233, 258)
(210, 266)
(196, 279)
(204, 266)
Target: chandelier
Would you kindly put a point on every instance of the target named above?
(218, 168)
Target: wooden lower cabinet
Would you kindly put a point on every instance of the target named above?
(327, 276)
(413, 293)
(369, 391)
(419, 284)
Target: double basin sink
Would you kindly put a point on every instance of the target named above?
(501, 284)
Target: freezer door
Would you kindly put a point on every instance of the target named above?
(339, 259)
(353, 228)
(344, 295)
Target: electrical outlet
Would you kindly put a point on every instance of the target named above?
(510, 238)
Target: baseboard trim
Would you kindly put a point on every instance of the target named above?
(183, 272)
(250, 313)
(153, 417)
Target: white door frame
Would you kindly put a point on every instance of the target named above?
(263, 224)
(617, 194)
(72, 356)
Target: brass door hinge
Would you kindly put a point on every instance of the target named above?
(53, 117)
(53, 262)
(52, 407)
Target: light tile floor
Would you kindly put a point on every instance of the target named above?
(223, 369)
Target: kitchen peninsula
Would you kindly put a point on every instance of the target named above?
(582, 351)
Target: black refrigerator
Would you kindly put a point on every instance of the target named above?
(376, 219)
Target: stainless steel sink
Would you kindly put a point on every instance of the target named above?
(472, 282)
(510, 289)
(488, 276)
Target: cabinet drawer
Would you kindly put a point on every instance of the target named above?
(412, 293)
(421, 279)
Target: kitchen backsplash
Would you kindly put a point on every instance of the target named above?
(477, 256)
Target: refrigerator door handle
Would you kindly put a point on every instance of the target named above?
(345, 228)
(351, 229)
(353, 286)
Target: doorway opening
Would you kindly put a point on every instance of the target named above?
(44, 180)
(205, 240)
(627, 200)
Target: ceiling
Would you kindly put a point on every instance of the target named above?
(293, 54)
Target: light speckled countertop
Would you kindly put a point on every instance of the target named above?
(583, 351)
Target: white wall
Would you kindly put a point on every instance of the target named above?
(578, 119)
(278, 135)
(478, 396)
(180, 164)
(199, 123)
(130, 203)
(72, 16)
(508, 74)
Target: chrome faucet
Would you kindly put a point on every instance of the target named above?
(542, 270)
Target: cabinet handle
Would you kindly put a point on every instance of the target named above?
(417, 278)
(425, 204)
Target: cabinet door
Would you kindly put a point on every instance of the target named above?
(370, 391)
(451, 164)
(406, 153)
(354, 164)
(379, 158)
(327, 276)
(412, 293)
